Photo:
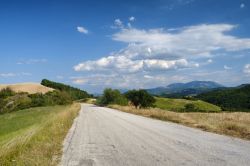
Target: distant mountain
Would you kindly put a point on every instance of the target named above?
(185, 89)
(236, 98)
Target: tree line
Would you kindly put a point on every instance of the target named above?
(138, 98)
(75, 93)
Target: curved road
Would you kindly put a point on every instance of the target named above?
(107, 137)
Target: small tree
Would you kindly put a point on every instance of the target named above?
(140, 98)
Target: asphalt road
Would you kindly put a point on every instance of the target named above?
(106, 137)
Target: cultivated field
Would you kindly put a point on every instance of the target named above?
(30, 88)
(34, 136)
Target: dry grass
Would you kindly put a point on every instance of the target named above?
(40, 141)
(235, 124)
(30, 88)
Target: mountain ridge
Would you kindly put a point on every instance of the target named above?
(185, 89)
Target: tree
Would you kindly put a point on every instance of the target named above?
(140, 98)
(111, 96)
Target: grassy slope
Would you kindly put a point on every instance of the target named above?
(34, 136)
(235, 124)
(179, 104)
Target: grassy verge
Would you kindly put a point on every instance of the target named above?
(235, 124)
(35, 136)
(178, 105)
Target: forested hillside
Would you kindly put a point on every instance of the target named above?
(75, 93)
(237, 98)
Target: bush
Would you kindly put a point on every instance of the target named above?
(14, 103)
(6, 92)
(140, 98)
(50, 98)
(111, 96)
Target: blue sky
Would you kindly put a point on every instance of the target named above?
(125, 44)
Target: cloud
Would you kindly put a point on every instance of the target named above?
(82, 30)
(189, 41)
(79, 81)
(246, 69)
(209, 61)
(126, 65)
(7, 74)
(227, 67)
(31, 61)
(132, 18)
(242, 5)
(159, 52)
(15, 74)
(118, 24)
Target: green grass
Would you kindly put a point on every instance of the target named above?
(178, 105)
(34, 136)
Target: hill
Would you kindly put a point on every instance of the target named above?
(30, 88)
(183, 105)
(75, 93)
(185, 89)
(237, 98)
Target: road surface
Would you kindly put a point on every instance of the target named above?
(107, 137)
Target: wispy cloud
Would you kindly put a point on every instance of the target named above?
(227, 67)
(15, 74)
(31, 61)
(82, 29)
(7, 74)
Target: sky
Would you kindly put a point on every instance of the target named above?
(125, 44)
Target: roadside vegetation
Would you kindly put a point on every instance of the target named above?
(112, 96)
(34, 125)
(235, 124)
(11, 101)
(34, 136)
(138, 98)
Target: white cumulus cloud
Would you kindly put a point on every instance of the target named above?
(157, 51)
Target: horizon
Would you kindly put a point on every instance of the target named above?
(93, 45)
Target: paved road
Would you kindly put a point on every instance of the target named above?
(106, 137)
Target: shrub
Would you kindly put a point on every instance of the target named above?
(140, 98)
(111, 96)
(6, 92)
(37, 100)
